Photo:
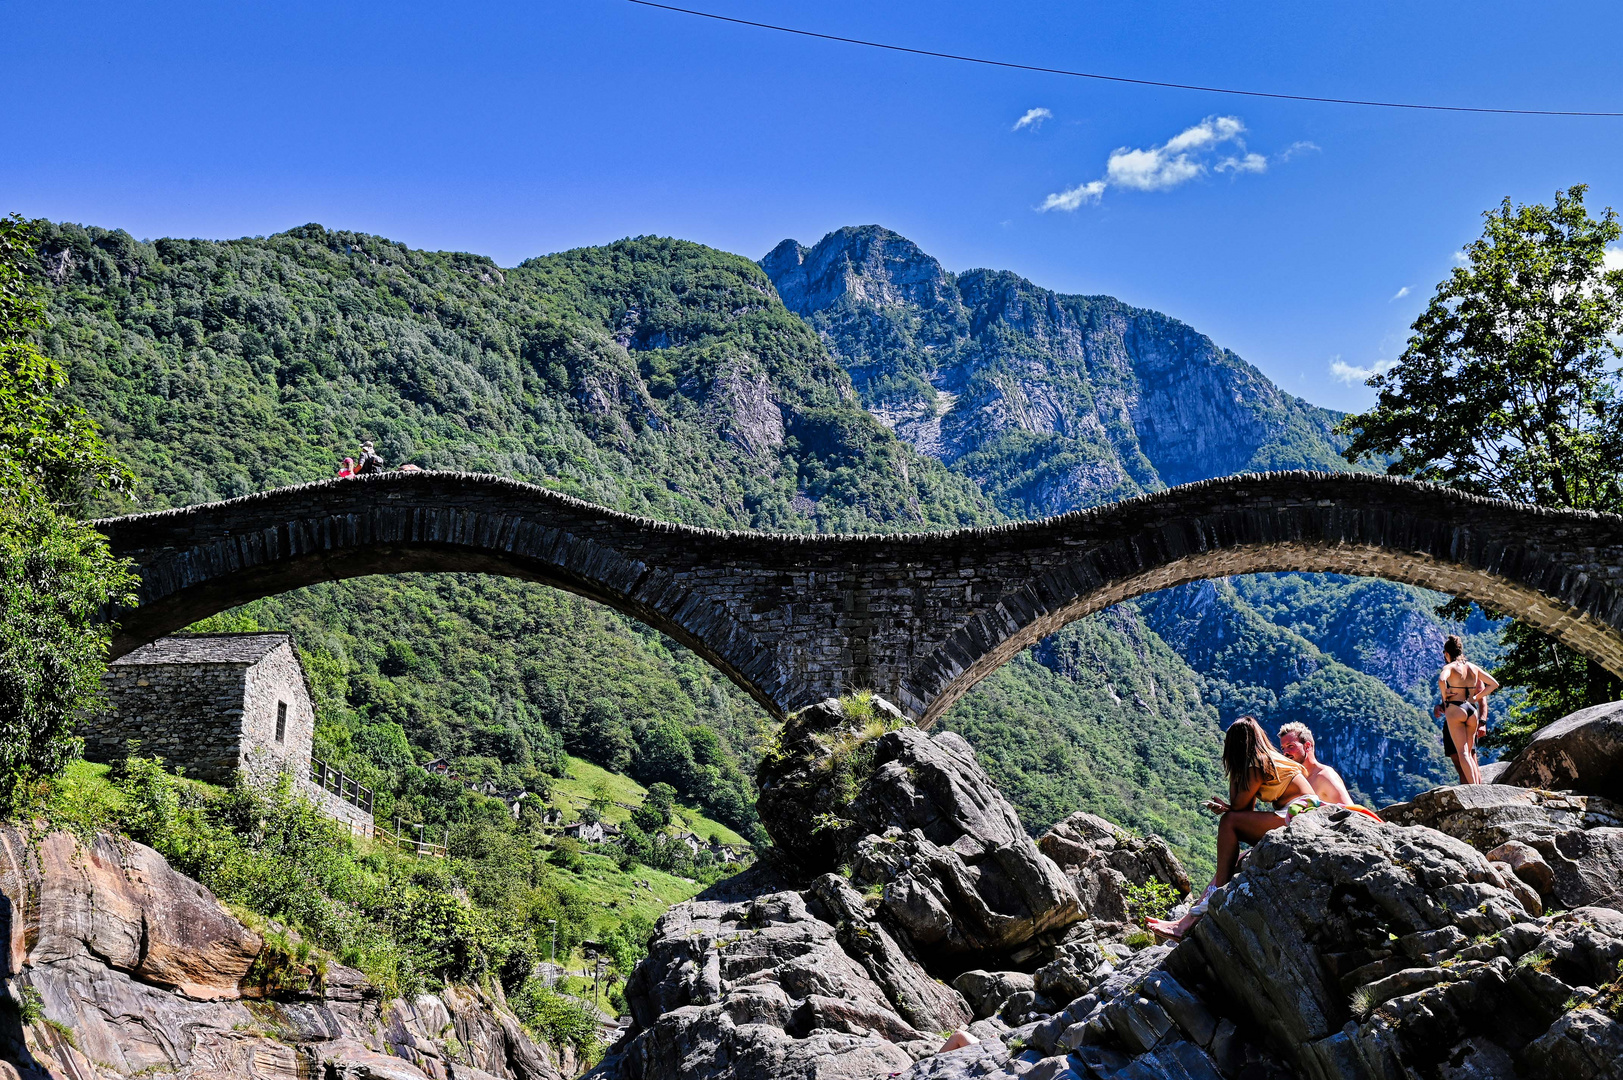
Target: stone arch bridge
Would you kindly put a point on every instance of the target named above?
(919, 618)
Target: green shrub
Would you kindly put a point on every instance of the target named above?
(558, 1019)
(1151, 900)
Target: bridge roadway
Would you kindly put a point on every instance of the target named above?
(919, 617)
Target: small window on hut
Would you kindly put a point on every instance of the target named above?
(281, 721)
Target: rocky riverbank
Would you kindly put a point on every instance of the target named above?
(116, 966)
(1477, 934)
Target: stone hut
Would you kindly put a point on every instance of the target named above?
(210, 704)
(214, 704)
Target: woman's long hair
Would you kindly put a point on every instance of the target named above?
(1247, 754)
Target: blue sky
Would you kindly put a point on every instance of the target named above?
(1286, 231)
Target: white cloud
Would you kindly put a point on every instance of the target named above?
(1249, 163)
(1209, 132)
(1613, 259)
(1400, 294)
(1150, 170)
(1296, 149)
(1033, 119)
(1350, 374)
(1072, 198)
(1216, 144)
(1459, 257)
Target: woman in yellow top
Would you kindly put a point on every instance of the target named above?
(1257, 773)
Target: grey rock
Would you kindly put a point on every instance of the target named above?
(1101, 860)
(919, 999)
(1524, 893)
(1023, 1005)
(1488, 815)
(1075, 969)
(1582, 1043)
(798, 791)
(1587, 866)
(1576, 840)
(1410, 923)
(986, 991)
(1053, 1068)
(1526, 863)
(1186, 1010)
(959, 872)
(987, 1058)
(759, 987)
(1173, 1060)
(1582, 752)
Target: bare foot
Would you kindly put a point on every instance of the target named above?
(1168, 930)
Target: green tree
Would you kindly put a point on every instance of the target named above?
(56, 574)
(662, 799)
(1507, 388)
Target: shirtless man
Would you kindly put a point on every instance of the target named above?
(1296, 743)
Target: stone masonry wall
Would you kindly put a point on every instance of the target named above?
(277, 680)
(917, 618)
(188, 714)
(349, 815)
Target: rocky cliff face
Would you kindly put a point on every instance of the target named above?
(116, 966)
(1051, 401)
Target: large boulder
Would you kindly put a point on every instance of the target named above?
(1577, 839)
(1582, 752)
(121, 903)
(916, 816)
(960, 875)
(808, 779)
(1102, 861)
(749, 984)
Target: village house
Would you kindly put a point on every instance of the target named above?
(216, 705)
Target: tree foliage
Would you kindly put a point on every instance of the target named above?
(1508, 388)
(56, 574)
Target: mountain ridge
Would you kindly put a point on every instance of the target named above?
(1048, 400)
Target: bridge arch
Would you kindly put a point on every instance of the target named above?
(918, 617)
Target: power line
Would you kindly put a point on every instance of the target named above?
(1117, 78)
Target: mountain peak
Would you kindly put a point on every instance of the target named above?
(864, 262)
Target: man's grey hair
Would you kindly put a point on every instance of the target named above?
(1300, 730)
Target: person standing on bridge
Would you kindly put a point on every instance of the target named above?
(371, 462)
(1464, 688)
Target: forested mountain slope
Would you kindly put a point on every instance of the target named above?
(1057, 402)
(649, 375)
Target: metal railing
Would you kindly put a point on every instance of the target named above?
(418, 846)
(330, 778)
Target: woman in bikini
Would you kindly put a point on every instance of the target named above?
(1257, 773)
(1464, 688)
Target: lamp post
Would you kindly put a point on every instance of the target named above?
(552, 955)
